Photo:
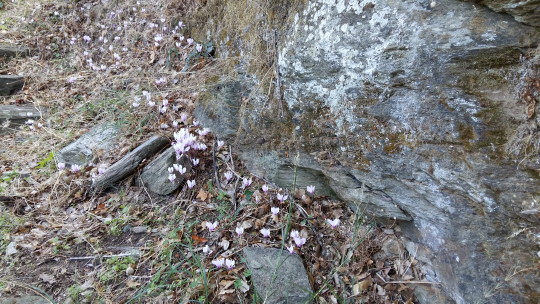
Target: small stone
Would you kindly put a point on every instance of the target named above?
(139, 229)
(130, 271)
(388, 231)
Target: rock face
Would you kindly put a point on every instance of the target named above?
(279, 277)
(101, 138)
(419, 114)
(525, 11)
(9, 51)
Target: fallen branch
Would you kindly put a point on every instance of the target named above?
(128, 163)
(412, 282)
(91, 257)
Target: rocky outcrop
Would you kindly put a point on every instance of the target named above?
(414, 112)
(525, 11)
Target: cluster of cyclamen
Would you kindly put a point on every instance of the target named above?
(185, 141)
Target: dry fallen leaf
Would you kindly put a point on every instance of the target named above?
(202, 195)
(47, 278)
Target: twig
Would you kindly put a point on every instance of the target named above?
(214, 166)
(412, 282)
(104, 256)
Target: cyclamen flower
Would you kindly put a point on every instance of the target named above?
(281, 197)
(175, 124)
(239, 230)
(163, 110)
(229, 263)
(295, 234)
(264, 188)
(218, 263)
(211, 226)
(334, 223)
(228, 175)
(274, 210)
(61, 166)
(101, 170)
(151, 103)
(191, 184)
(220, 143)
(170, 169)
(135, 104)
(181, 24)
(165, 102)
(75, 168)
(179, 168)
(246, 182)
(87, 38)
(198, 47)
(172, 177)
(300, 241)
(206, 249)
(147, 94)
(265, 232)
(189, 41)
(310, 189)
(291, 249)
(195, 161)
(203, 132)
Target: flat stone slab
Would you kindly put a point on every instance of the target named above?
(9, 51)
(278, 276)
(129, 163)
(24, 300)
(155, 175)
(13, 116)
(10, 84)
(81, 152)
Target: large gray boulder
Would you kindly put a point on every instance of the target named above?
(278, 276)
(412, 112)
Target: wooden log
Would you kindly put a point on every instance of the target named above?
(10, 84)
(128, 163)
(9, 51)
(13, 116)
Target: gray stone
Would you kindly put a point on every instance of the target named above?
(13, 116)
(155, 175)
(407, 112)
(139, 229)
(25, 300)
(101, 138)
(278, 276)
(10, 84)
(9, 51)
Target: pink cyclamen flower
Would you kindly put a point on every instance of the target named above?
(334, 223)
(211, 226)
(295, 234)
(206, 250)
(101, 170)
(228, 175)
(175, 124)
(264, 188)
(172, 177)
(195, 161)
(87, 38)
(246, 182)
(218, 262)
(181, 24)
(291, 249)
(275, 210)
(179, 168)
(198, 47)
(265, 232)
(171, 170)
(151, 103)
(281, 197)
(229, 263)
(189, 41)
(191, 184)
(300, 241)
(75, 168)
(135, 104)
(61, 166)
(310, 189)
(239, 230)
(165, 102)
(220, 143)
